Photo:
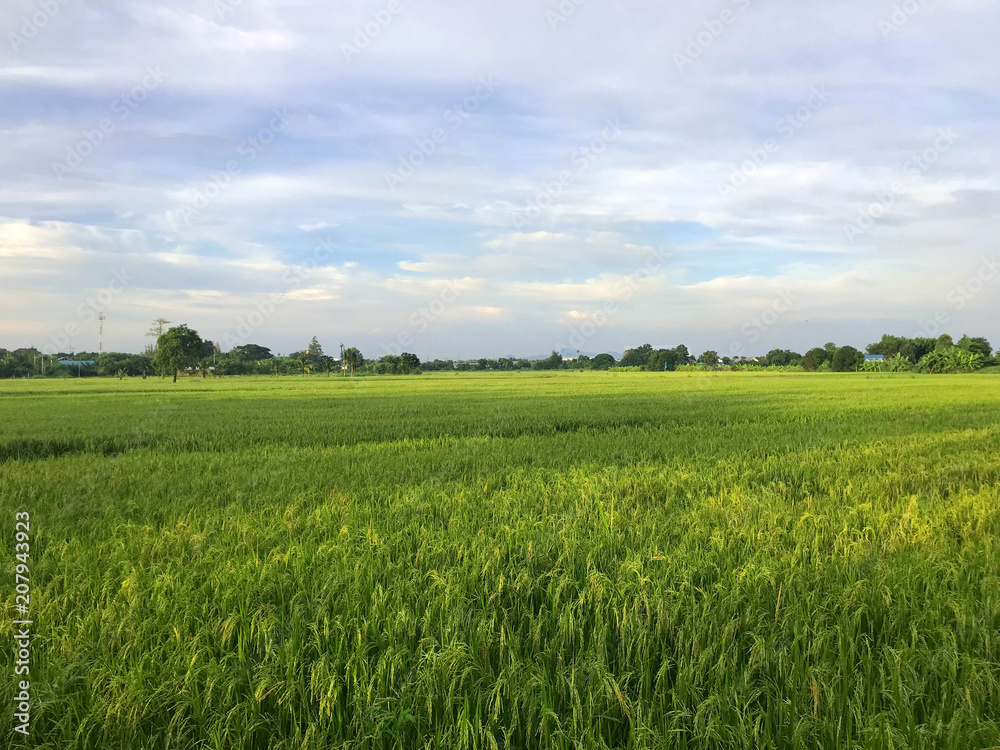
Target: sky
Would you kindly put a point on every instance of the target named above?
(490, 179)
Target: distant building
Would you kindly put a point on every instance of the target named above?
(874, 357)
(77, 362)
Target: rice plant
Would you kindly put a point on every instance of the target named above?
(518, 560)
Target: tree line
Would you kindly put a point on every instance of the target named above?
(180, 350)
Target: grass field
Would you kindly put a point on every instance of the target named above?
(509, 561)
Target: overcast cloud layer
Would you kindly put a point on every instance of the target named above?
(484, 179)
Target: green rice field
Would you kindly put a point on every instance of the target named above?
(507, 560)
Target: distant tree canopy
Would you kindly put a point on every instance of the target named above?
(208, 349)
(187, 350)
(655, 360)
(250, 353)
(391, 364)
(158, 327)
(813, 359)
(353, 359)
(553, 362)
(846, 359)
(176, 349)
(117, 364)
(602, 362)
(916, 349)
(637, 357)
(978, 345)
(667, 359)
(782, 358)
(709, 358)
(315, 350)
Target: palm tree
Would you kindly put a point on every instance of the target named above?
(353, 358)
(303, 364)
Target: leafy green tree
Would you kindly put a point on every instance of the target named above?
(814, 359)
(179, 347)
(314, 351)
(637, 357)
(553, 362)
(131, 365)
(390, 364)
(913, 349)
(683, 355)
(977, 345)
(353, 359)
(438, 365)
(782, 358)
(888, 346)
(155, 331)
(944, 341)
(250, 353)
(602, 362)
(409, 363)
(709, 358)
(847, 359)
(665, 359)
(917, 348)
(326, 364)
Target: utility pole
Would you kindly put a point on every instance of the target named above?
(100, 334)
(342, 371)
